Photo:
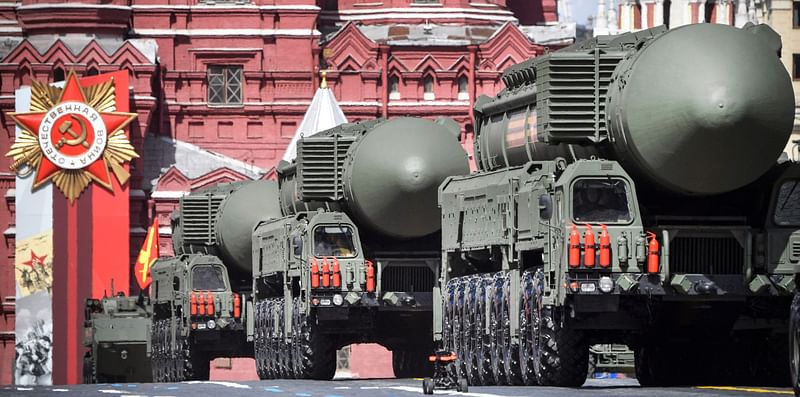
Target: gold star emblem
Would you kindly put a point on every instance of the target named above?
(72, 136)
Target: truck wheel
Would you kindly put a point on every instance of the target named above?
(156, 342)
(471, 331)
(526, 363)
(653, 367)
(460, 333)
(198, 365)
(269, 340)
(510, 351)
(89, 375)
(317, 359)
(258, 340)
(561, 356)
(427, 386)
(411, 364)
(794, 341)
(483, 355)
(496, 321)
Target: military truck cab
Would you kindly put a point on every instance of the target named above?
(196, 317)
(314, 291)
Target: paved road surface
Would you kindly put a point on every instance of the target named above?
(370, 388)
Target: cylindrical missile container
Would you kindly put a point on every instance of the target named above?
(668, 105)
(219, 220)
(384, 173)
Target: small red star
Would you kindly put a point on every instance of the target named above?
(73, 92)
(35, 260)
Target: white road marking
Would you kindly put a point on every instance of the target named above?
(24, 388)
(60, 389)
(342, 388)
(212, 382)
(112, 391)
(447, 392)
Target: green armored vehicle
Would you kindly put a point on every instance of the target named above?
(202, 298)
(623, 197)
(117, 333)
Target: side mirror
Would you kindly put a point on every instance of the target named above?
(545, 206)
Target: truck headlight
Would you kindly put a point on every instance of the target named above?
(337, 299)
(211, 324)
(123, 354)
(606, 284)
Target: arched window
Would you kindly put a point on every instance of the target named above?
(58, 74)
(427, 88)
(394, 87)
(92, 71)
(462, 88)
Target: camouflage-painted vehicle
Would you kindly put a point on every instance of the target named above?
(623, 197)
(117, 335)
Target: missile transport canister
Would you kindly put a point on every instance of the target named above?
(117, 335)
(383, 173)
(202, 299)
(630, 191)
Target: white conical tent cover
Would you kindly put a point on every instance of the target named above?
(323, 113)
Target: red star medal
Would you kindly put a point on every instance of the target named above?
(72, 136)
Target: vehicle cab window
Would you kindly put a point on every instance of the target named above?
(208, 278)
(601, 201)
(334, 241)
(787, 204)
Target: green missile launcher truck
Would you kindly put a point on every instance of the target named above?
(117, 335)
(202, 297)
(623, 197)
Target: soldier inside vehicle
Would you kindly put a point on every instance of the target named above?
(600, 201)
(207, 278)
(334, 241)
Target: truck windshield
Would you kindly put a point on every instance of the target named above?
(207, 278)
(334, 241)
(787, 204)
(601, 201)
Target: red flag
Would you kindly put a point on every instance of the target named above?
(147, 255)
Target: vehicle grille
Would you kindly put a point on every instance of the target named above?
(407, 279)
(706, 255)
(199, 214)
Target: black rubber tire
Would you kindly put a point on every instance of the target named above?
(511, 356)
(198, 365)
(157, 347)
(411, 364)
(526, 363)
(427, 386)
(561, 355)
(317, 354)
(794, 344)
(89, 374)
(483, 354)
(471, 332)
(496, 321)
(462, 385)
(459, 329)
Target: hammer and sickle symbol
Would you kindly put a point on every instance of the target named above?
(77, 139)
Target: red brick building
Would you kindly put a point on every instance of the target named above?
(220, 86)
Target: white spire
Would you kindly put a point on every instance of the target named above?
(323, 113)
(741, 14)
(612, 18)
(564, 11)
(600, 21)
